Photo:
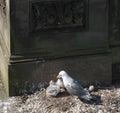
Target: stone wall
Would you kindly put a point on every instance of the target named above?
(114, 37)
(4, 46)
(86, 69)
(35, 48)
(54, 32)
(53, 40)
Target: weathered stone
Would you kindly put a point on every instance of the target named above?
(32, 40)
(84, 68)
(4, 47)
(40, 38)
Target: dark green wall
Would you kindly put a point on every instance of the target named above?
(55, 43)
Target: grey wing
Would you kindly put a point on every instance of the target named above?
(76, 85)
(76, 88)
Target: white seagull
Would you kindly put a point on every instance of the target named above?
(74, 87)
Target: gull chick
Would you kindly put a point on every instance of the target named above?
(74, 87)
(53, 89)
(60, 83)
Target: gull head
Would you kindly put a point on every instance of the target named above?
(61, 74)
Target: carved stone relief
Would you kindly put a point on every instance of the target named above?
(57, 14)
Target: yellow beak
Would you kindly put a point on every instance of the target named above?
(58, 76)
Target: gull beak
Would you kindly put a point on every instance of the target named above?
(59, 76)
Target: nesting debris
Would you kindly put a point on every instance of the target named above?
(108, 102)
(42, 85)
(91, 88)
(29, 87)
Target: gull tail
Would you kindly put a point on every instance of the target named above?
(86, 95)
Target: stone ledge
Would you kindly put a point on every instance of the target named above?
(83, 68)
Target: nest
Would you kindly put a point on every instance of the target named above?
(105, 100)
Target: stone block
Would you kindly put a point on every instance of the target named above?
(38, 38)
(84, 68)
